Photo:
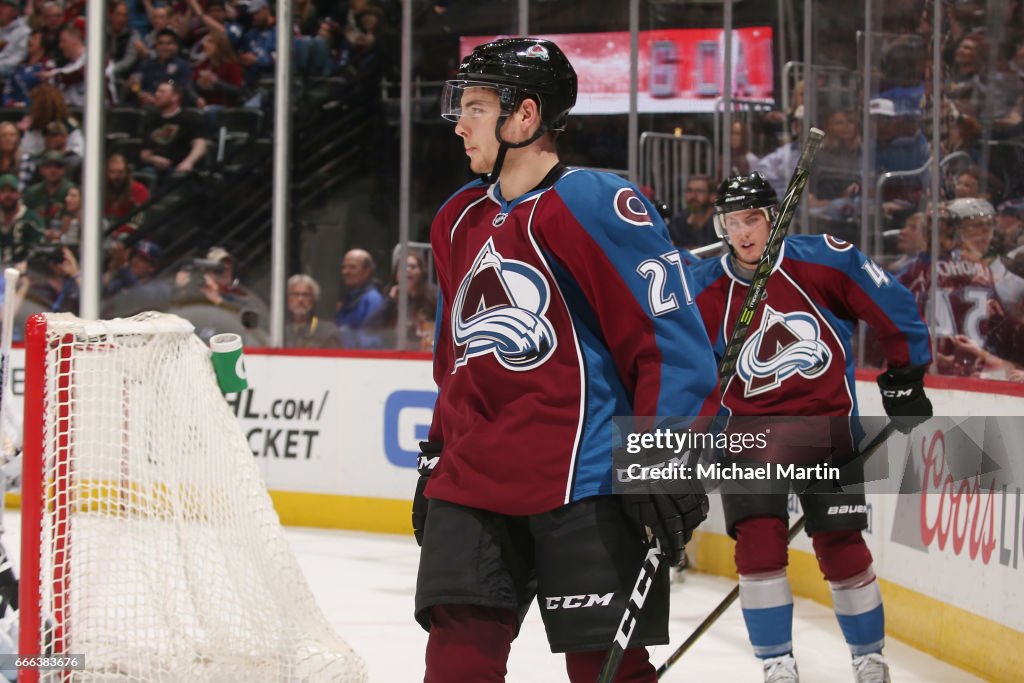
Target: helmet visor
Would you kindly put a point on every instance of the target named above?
(476, 99)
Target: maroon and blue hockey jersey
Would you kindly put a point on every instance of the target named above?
(797, 358)
(557, 311)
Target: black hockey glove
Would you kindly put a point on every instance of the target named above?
(671, 517)
(903, 397)
(430, 453)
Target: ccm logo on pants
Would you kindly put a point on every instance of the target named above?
(847, 509)
(574, 601)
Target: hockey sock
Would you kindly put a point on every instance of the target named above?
(765, 595)
(468, 643)
(636, 667)
(858, 605)
(845, 560)
(767, 603)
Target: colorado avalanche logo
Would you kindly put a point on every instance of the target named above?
(499, 309)
(537, 50)
(784, 345)
(631, 209)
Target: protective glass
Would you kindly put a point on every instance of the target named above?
(475, 99)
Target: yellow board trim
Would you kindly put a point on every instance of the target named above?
(966, 640)
(380, 515)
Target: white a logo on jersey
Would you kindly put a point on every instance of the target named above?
(499, 309)
(785, 344)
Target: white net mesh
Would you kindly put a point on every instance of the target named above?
(162, 558)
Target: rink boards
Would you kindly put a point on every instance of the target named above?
(335, 436)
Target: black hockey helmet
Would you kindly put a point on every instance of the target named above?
(741, 192)
(517, 68)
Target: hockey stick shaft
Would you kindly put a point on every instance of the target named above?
(797, 527)
(750, 306)
(779, 228)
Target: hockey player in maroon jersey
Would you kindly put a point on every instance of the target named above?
(562, 303)
(796, 361)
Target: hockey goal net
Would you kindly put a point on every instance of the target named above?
(150, 544)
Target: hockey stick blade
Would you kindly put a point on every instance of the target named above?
(873, 446)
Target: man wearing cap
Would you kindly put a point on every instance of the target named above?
(135, 288)
(55, 137)
(47, 197)
(20, 226)
(14, 32)
(259, 44)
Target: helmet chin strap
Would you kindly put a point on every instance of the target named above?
(504, 145)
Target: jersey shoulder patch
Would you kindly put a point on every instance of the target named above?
(607, 193)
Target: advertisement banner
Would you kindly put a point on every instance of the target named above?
(680, 70)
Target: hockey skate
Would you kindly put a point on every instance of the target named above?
(781, 670)
(871, 668)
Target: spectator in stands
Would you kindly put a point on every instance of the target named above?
(258, 45)
(1009, 225)
(48, 196)
(166, 65)
(55, 139)
(69, 230)
(134, 288)
(14, 32)
(21, 228)
(173, 139)
(837, 165)
(215, 19)
(217, 79)
(123, 195)
(216, 286)
(28, 74)
(695, 226)
(70, 78)
(122, 40)
(159, 19)
(974, 181)
(963, 134)
(306, 18)
(49, 27)
(10, 148)
(48, 106)
(304, 329)
(777, 167)
(53, 279)
(422, 309)
(965, 85)
(360, 298)
(741, 158)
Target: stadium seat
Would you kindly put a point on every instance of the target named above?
(124, 122)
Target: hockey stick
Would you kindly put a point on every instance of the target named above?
(797, 527)
(726, 369)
